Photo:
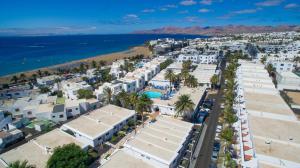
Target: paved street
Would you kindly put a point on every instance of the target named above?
(207, 146)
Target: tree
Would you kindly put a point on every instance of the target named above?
(14, 79)
(134, 98)
(124, 98)
(19, 164)
(184, 106)
(263, 59)
(23, 77)
(57, 81)
(191, 81)
(82, 68)
(214, 80)
(68, 156)
(186, 65)
(184, 74)
(102, 63)
(108, 95)
(169, 75)
(144, 104)
(85, 94)
(94, 64)
(227, 135)
(165, 64)
(44, 89)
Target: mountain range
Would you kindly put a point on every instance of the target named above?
(220, 30)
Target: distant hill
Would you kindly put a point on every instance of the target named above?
(220, 30)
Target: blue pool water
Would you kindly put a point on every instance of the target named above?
(152, 94)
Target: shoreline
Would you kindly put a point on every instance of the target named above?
(109, 58)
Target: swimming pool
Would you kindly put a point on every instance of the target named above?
(153, 94)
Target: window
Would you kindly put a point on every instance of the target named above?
(107, 134)
(61, 116)
(99, 139)
(69, 110)
(29, 112)
(76, 108)
(53, 116)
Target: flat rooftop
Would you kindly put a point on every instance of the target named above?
(195, 95)
(275, 129)
(35, 150)
(267, 103)
(161, 139)
(99, 121)
(121, 159)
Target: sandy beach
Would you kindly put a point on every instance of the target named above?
(109, 58)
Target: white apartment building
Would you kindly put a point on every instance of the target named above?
(115, 69)
(288, 81)
(47, 80)
(71, 88)
(282, 66)
(37, 151)
(159, 144)
(98, 126)
(115, 86)
(52, 112)
(267, 127)
(204, 72)
(167, 107)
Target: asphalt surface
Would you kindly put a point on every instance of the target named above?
(204, 158)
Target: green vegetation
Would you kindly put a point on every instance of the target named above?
(44, 89)
(85, 94)
(184, 106)
(165, 64)
(214, 80)
(108, 95)
(68, 156)
(20, 164)
(60, 100)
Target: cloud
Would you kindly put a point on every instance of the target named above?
(148, 10)
(245, 11)
(203, 10)
(163, 9)
(183, 12)
(193, 19)
(239, 12)
(206, 2)
(188, 2)
(171, 6)
(130, 19)
(291, 6)
(268, 3)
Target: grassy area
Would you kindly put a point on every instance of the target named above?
(45, 122)
(60, 100)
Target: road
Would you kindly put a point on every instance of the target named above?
(204, 158)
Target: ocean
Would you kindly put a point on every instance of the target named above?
(19, 54)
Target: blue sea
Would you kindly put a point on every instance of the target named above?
(19, 54)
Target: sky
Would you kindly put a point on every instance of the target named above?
(125, 16)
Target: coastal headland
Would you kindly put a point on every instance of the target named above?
(108, 58)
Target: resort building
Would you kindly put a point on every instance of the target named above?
(52, 112)
(267, 127)
(115, 86)
(4, 120)
(47, 80)
(70, 88)
(37, 151)
(161, 143)
(15, 92)
(115, 69)
(287, 81)
(8, 137)
(204, 72)
(167, 106)
(98, 126)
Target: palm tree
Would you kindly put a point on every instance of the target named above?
(124, 98)
(191, 81)
(33, 77)
(19, 164)
(23, 77)
(169, 75)
(184, 106)
(144, 104)
(184, 75)
(94, 64)
(108, 95)
(134, 98)
(214, 81)
(57, 81)
(40, 73)
(14, 79)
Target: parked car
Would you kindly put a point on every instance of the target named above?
(217, 146)
(214, 156)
